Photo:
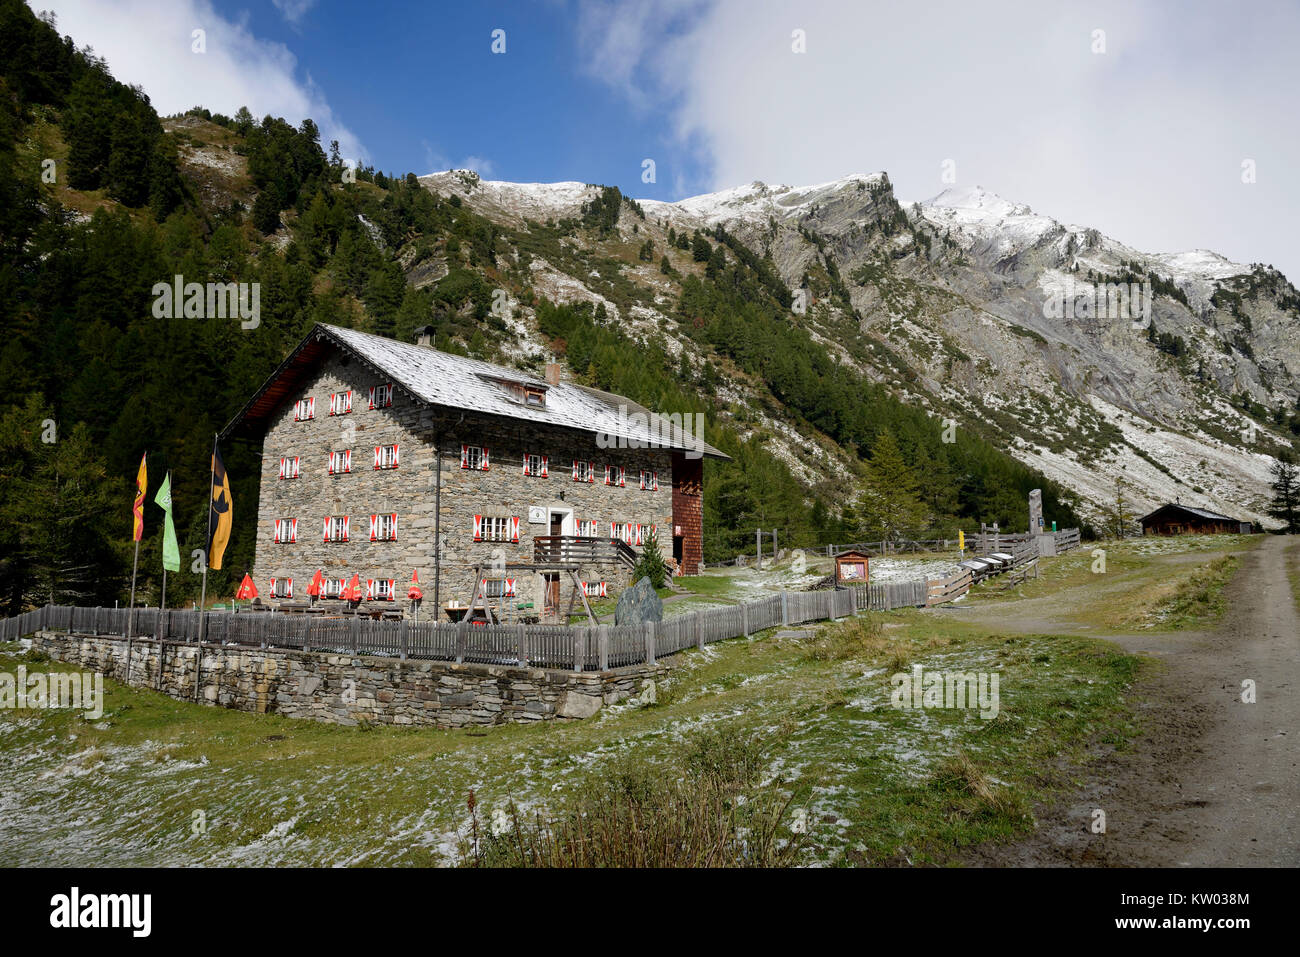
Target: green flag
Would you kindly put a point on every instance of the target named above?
(171, 551)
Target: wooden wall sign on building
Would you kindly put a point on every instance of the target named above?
(1177, 519)
(852, 568)
(415, 458)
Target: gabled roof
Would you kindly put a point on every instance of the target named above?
(1199, 512)
(455, 382)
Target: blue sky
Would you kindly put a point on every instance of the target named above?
(422, 90)
(1136, 117)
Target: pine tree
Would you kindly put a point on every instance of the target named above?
(1285, 506)
(893, 496)
(651, 563)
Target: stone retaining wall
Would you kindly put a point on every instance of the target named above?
(343, 689)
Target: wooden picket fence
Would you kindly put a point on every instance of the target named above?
(576, 647)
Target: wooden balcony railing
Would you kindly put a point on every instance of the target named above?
(575, 549)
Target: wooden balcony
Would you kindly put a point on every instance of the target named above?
(576, 550)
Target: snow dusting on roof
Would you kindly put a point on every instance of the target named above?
(440, 378)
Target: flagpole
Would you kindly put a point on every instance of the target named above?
(135, 565)
(203, 592)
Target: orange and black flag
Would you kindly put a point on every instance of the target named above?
(220, 512)
(141, 483)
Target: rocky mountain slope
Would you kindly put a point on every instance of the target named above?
(958, 305)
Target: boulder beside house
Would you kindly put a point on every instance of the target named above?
(374, 450)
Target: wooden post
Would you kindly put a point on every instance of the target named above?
(579, 648)
(462, 638)
(603, 645)
(198, 664)
(649, 642)
(401, 628)
(521, 632)
(744, 619)
(355, 634)
(699, 630)
(785, 608)
(758, 542)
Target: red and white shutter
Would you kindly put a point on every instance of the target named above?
(584, 588)
(346, 522)
(394, 528)
(293, 530)
(370, 589)
(396, 450)
(643, 480)
(347, 460)
(297, 466)
(377, 456)
(311, 408)
(288, 588)
(510, 588)
(332, 469)
(575, 470)
(392, 588)
(546, 459)
(485, 458)
(278, 528)
(654, 481)
(514, 528)
(374, 527)
(327, 529)
(622, 476)
(334, 403)
(284, 461)
(372, 397)
(607, 471)
(478, 528)
(525, 463)
(591, 472)
(464, 456)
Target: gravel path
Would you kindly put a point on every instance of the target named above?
(1210, 780)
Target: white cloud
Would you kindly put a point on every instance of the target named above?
(293, 10)
(1145, 141)
(151, 45)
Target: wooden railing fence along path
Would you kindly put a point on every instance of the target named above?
(576, 647)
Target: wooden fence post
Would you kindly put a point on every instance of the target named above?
(355, 634)
(579, 648)
(785, 608)
(649, 642)
(462, 638)
(699, 630)
(521, 633)
(401, 629)
(603, 645)
(744, 619)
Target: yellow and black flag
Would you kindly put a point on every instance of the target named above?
(220, 511)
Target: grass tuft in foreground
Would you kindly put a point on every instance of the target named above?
(719, 812)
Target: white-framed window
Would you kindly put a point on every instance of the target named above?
(380, 589)
(588, 528)
(341, 402)
(286, 530)
(496, 528)
(304, 409)
(649, 480)
(289, 466)
(334, 587)
(537, 465)
(595, 589)
(386, 456)
(281, 587)
(381, 396)
(383, 528)
(474, 457)
(616, 475)
(584, 471)
(336, 528)
(340, 462)
(500, 587)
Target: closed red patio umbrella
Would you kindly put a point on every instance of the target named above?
(247, 590)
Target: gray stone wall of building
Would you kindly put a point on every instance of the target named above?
(410, 490)
(342, 689)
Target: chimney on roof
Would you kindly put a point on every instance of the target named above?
(553, 373)
(424, 336)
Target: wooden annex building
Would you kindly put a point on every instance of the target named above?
(1177, 519)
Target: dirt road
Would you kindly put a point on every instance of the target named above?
(1210, 780)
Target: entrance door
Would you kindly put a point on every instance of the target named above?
(557, 523)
